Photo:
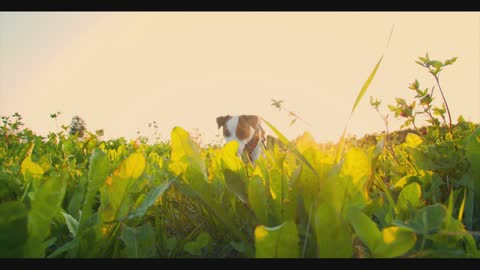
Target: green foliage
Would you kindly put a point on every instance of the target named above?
(13, 229)
(139, 242)
(277, 242)
(195, 247)
(407, 193)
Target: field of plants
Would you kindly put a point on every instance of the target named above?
(408, 193)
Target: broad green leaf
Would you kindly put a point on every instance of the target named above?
(471, 247)
(429, 219)
(48, 198)
(305, 141)
(89, 222)
(472, 154)
(365, 228)
(150, 199)
(230, 159)
(356, 165)
(333, 235)
(28, 166)
(409, 199)
(187, 162)
(413, 140)
(235, 183)
(116, 201)
(132, 167)
(97, 174)
(139, 242)
(184, 149)
(291, 146)
(390, 242)
(195, 247)
(13, 229)
(31, 167)
(257, 199)
(280, 193)
(356, 170)
(77, 199)
(277, 242)
(396, 241)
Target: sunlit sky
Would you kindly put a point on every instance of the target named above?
(121, 71)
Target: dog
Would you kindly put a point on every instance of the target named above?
(247, 130)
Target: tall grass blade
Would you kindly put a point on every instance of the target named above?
(365, 86)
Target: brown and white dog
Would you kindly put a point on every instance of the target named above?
(247, 130)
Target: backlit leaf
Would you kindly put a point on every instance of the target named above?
(277, 242)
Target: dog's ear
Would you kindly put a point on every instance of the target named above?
(252, 120)
(221, 120)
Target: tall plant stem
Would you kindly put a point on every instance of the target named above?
(446, 105)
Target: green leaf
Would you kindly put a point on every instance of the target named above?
(257, 199)
(184, 148)
(409, 199)
(429, 219)
(392, 108)
(396, 241)
(435, 64)
(13, 229)
(229, 157)
(413, 140)
(400, 101)
(150, 199)
(47, 201)
(71, 222)
(236, 184)
(68, 246)
(139, 242)
(97, 174)
(187, 162)
(132, 167)
(472, 153)
(333, 235)
(195, 247)
(450, 61)
(285, 141)
(116, 202)
(341, 144)
(462, 206)
(28, 166)
(365, 228)
(171, 243)
(214, 209)
(390, 242)
(357, 166)
(277, 242)
(366, 85)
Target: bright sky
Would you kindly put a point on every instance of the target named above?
(122, 70)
